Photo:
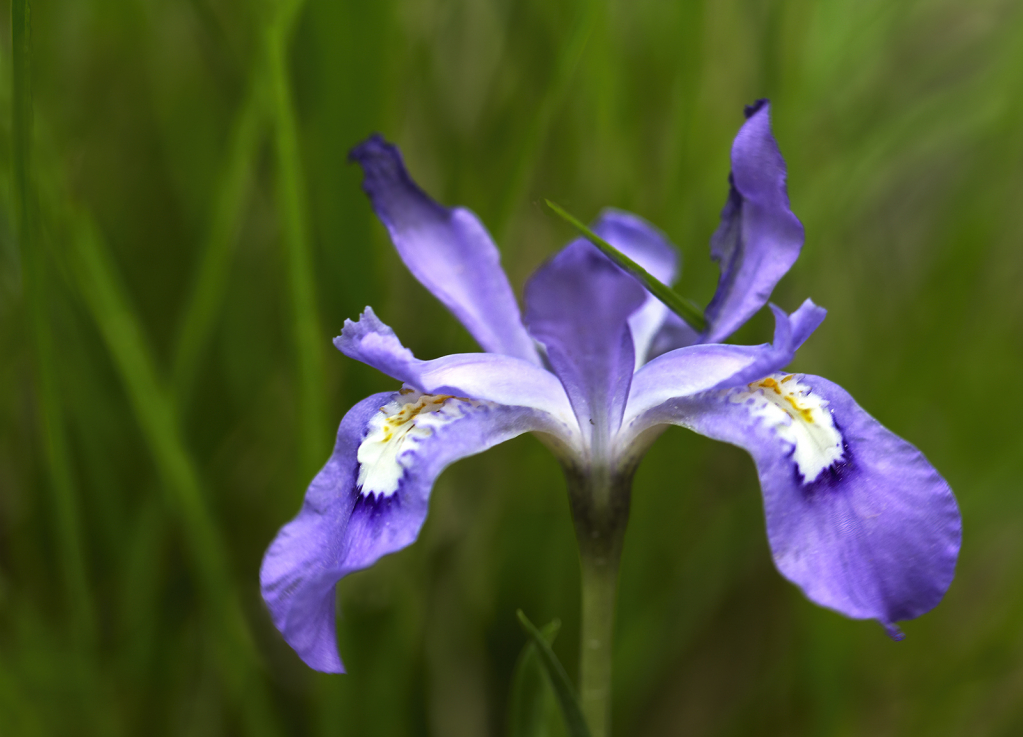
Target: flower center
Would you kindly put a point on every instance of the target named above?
(798, 417)
(396, 430)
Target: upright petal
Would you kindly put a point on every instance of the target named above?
(652, 250)
(856, 516)
(578, 306)
(484, 376)
(447, 250)
(759, 238)
(757, 241)
(370, 500)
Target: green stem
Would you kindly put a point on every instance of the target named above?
(600, 510)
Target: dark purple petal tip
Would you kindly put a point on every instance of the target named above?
(384, 170)
(756, 107)
(894, 632)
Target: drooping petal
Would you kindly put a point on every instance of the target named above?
(684, 372)
(757, 241)
(578, 306)
(856, 516)
(447, 250)
(485, 376)
(652, 250)
(370, 500)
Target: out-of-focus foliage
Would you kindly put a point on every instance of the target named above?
(203, 239)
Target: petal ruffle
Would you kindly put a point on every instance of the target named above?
(370, 500)
(447, 250)
(856, 516)
(578, 306)
(484, 376)
(684, 372)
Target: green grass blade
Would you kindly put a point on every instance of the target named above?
(682, 307)
(58, 460)
(292, 204)
(218, 248)
(110, 308)
(530, 697)
(565, 693)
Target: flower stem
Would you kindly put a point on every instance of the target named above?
(600, 510)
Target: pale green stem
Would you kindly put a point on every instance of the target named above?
(600, 510)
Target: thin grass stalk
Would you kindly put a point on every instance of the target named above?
(200, 315)
(293, 208)
(154, 409)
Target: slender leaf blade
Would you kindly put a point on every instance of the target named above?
(565, 693)
(681, 306)
(530, 697)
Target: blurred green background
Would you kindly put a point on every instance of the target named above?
(169, 384)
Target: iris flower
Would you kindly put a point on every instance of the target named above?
(597, 368)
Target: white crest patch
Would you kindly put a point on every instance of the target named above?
(798, 417)
(395, 431)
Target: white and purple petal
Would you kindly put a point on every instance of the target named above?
(484, 376)
(856, 516)
(369, 500)
(447, 249)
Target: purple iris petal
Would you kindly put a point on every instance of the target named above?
(759, 238)
(757, 241)
(652, 250)
(684, 372)
(856, 516)
(578, 305)
(447, 250)
(485, 376)
(341, 529)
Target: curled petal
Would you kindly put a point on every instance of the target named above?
(447, 250)
(856, 516)
(484, 376)
(370, 500)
